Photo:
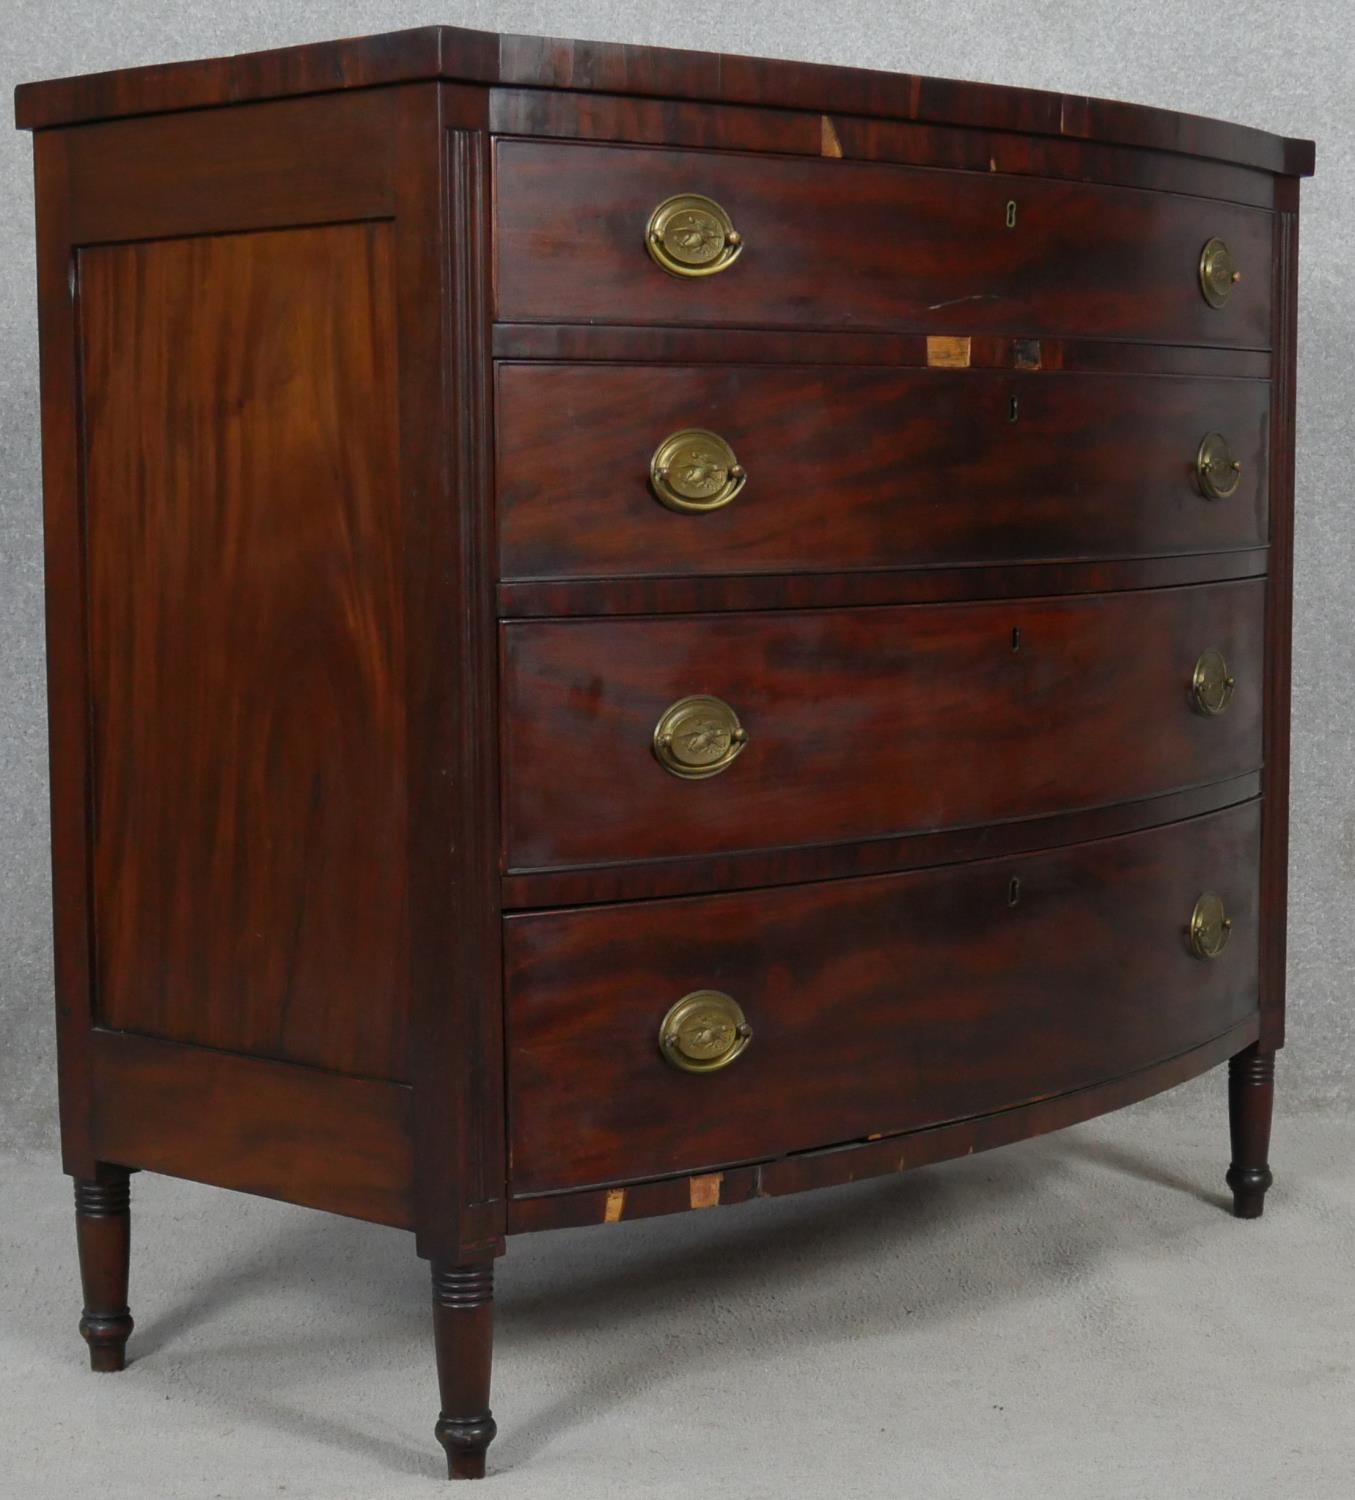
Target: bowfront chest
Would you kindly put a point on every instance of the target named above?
(633, 630)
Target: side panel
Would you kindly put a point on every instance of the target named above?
(273, 911)
(242, 508)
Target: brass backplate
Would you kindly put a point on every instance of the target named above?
(704, 1032)
(690, 235)
(1210, 926)
(1218, 272)
(698, 737)
(695, 471)
(1218, 471)
(1211, 683)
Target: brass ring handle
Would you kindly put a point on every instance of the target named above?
(690, 235)
(1218, 272)
(1210, 926)
(695, 471)
(1211, 683)
(698, 737)
(704, 1032)
(1218, 471)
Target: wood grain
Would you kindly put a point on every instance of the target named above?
(863, 245)
(855, 1161)
(868, 468)
(877, 1006)
(637, 879)
(458, 55)
(1279, 623)
(845, 135)
(699, 593)
(864, 723)
(579, 342)
(275, 1129)
(246, 641)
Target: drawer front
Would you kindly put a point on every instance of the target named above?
(837, 244)
(863, 723)
(869, 468)
(876, 1005)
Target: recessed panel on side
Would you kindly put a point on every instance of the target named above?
(242, 512)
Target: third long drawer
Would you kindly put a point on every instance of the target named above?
(862, 723)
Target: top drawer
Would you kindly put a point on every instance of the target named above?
(867, 245)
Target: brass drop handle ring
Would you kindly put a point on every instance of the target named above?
(1210, 926)
(1211, 683)
(1218, 272)
(1218, 471)
(698, 737)
(704, 1032)
(695, 471)
(691, 235)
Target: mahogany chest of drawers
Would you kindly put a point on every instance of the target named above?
(634, 630)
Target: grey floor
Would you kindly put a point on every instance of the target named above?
(1074, 1317)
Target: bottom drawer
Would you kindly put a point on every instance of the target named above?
(875, 1005)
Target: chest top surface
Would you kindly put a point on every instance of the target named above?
(454, 54)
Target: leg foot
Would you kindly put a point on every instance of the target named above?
(1251, 1097)
(103, 1234)
(463, 1328)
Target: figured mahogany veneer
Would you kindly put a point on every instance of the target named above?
(839, 244)
(370, 892)
(863, 723)
(870, 468)
(877, 1005)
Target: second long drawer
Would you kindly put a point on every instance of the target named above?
(867, 468)
(862, 723)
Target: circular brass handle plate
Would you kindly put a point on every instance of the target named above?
(1210, 926)
(698, 737)
(695, 470)
(1219, 472)
(1211, 683)
(1218, 273)
(704, 1032)
(690, 235)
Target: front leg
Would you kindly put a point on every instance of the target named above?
(463, 1306)
(1251, 1097)
(103, 1223)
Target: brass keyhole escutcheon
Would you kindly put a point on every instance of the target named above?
(690, 235)
(1210, 926)
(695, 471)
(1218, 272)
(698, 737)
(1218, 471)
(1211, 683)
(704, 1032)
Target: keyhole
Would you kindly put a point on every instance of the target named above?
(1014, 890)
(1016, 637)
(1013, 408)
(1011, 213)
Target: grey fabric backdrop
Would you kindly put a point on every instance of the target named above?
(1289, 68)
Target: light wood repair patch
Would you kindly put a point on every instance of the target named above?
(947, 353)
(829, 145)
(705, 1191)
(616, 1202)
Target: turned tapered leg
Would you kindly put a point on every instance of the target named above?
(103, 1233)
(1251, 1096)
(463, 1307)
